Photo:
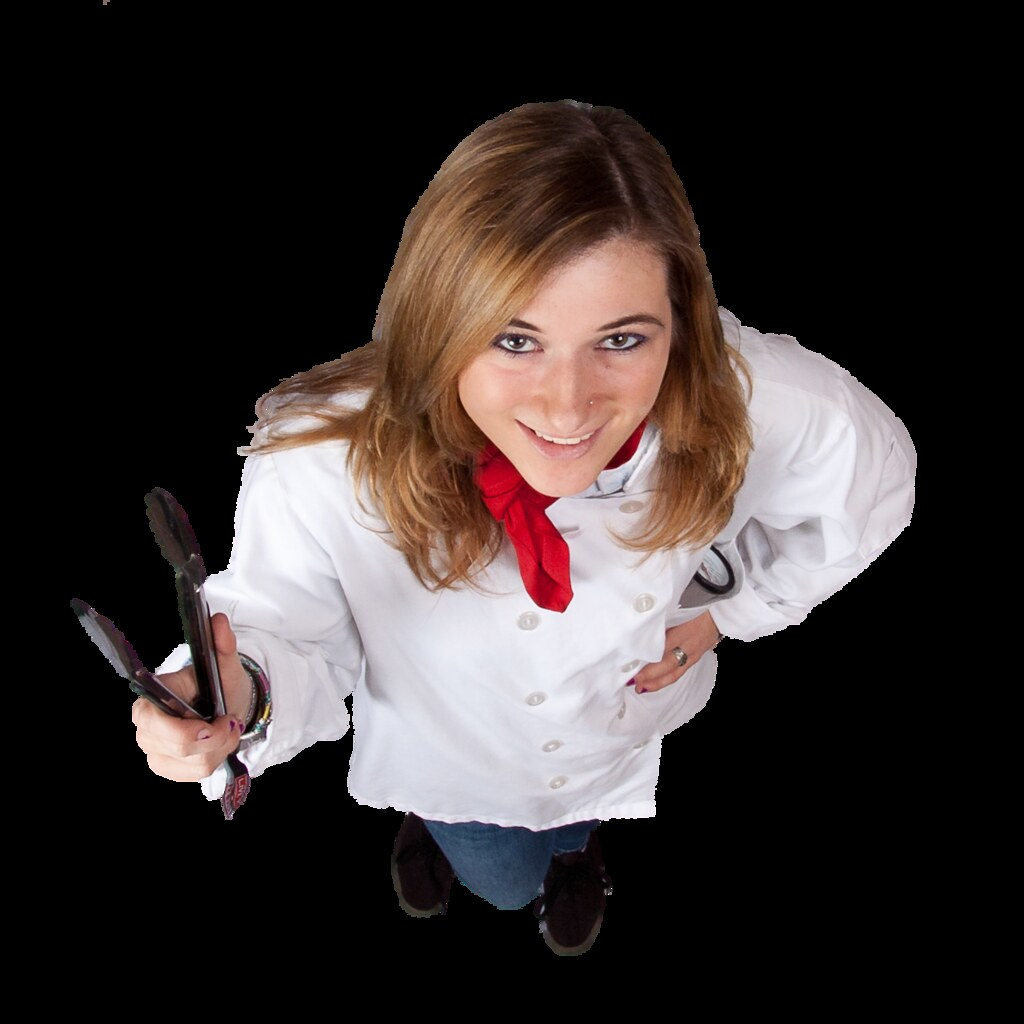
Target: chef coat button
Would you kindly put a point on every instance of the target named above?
(630, 665)
(644, 603)
(536, 698)
(631, 506)
(552, 745)
(622, 710)
(528, 620)
(558, 781)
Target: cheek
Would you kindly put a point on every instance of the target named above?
(643, 386)
(474, 400)
(654, 389)
(650, 387)
(484, 390)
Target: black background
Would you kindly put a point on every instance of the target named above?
(218, 240)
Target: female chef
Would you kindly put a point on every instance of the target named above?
(514, 526)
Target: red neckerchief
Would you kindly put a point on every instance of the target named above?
(542, 551)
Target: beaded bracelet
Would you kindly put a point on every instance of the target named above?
(252, 700)
(256, 730)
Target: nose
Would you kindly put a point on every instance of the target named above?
(567, 398)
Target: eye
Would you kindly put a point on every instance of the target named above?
(638, 340)
(521, 344)
(516, 344)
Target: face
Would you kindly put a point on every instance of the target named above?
(581, 365)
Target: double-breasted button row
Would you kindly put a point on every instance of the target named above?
(642, 603)
(529, 621)
(559, 780)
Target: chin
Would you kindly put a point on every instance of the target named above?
(563, 486)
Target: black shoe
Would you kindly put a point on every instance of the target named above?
(421, 872)
(571, 908)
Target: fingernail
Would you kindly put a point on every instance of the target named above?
(204, 735)
(632, 681)
(640, 689)
(232, 725)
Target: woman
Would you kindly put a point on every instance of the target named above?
(516, 524)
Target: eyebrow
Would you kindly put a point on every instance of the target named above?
(635, 318)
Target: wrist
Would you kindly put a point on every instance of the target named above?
(718, 632)
(253, 712)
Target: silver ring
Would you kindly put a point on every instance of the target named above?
(681, 656)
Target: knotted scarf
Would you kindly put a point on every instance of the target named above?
(541, 550)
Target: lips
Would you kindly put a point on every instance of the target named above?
(564, 440)
(554, 450)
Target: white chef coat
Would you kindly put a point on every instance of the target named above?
(485, 707)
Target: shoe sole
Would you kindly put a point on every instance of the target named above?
(574, 950)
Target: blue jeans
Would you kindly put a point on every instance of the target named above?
(505, 866)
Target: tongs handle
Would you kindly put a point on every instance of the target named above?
(177, 543)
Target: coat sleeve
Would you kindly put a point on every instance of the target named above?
(289, 613)
(832, 487)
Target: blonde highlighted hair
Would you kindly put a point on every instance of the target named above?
(523, 195)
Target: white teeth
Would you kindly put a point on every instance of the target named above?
(564, 440)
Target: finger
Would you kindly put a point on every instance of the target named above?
(175, 771)
(223, 636)
(158, 733)
(214, 743)
(178, 770)
(658, 675)
(159, 727)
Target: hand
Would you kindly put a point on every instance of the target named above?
(695, 638)
(189, 749)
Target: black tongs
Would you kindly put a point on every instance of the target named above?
(178, 545)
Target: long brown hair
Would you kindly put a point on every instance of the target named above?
(520, 197)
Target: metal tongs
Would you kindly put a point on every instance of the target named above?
(177, 542)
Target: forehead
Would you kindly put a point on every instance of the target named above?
(606, 275)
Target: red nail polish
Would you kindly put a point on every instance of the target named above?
(631, 682)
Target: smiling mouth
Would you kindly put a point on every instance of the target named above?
(560, 449)
(564, 440)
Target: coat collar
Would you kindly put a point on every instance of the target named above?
(630, 476)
